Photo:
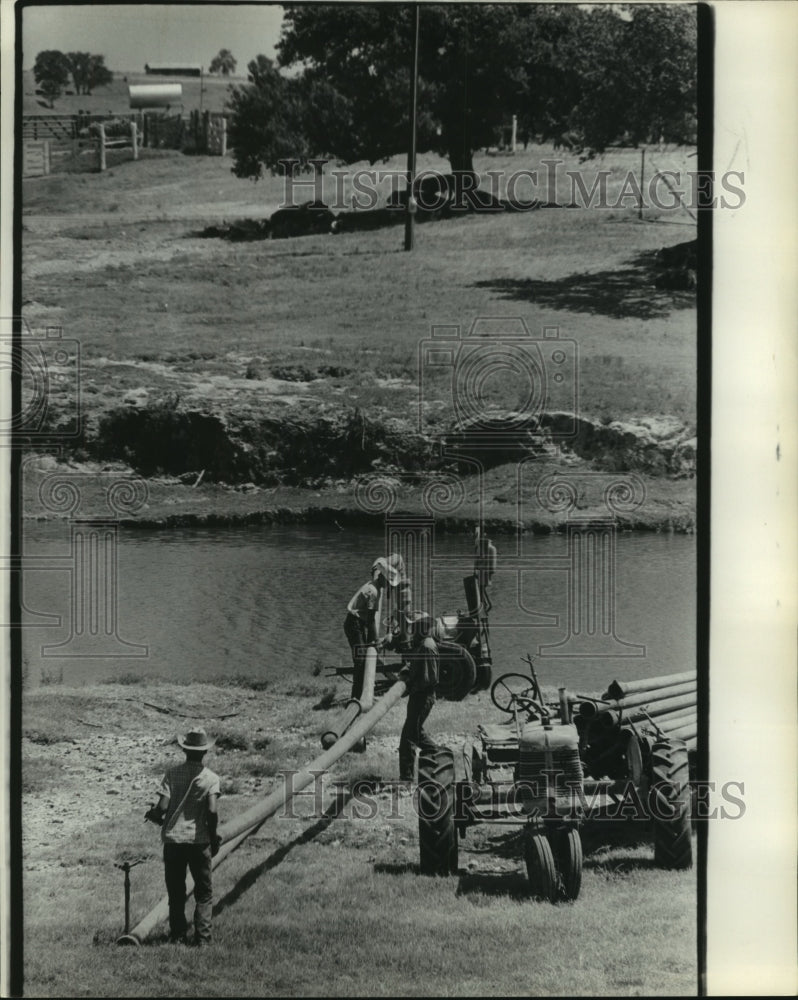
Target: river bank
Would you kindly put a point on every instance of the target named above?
(508, 498)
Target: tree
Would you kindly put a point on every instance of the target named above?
(633, 74)
(600, 72)
(79, 68)
(99, 74)
(469, 70)
(51, 73)
(223, 63)
(88, 71)
(268, 120)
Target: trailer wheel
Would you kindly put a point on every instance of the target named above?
(437, 836)
(669, 804)
(540, 867)
(634, 759)
(567, 847)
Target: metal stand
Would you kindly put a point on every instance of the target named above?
(126, 866)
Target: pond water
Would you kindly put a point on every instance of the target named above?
(269, 602)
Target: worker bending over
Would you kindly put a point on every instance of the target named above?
(360, 624)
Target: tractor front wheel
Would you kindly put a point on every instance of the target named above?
(540, 867)
(567, 845)
(669, 803)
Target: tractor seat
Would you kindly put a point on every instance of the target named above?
(496, 733)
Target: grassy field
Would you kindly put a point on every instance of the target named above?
(117, 259)
(317, 904)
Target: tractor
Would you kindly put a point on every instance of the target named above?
(553, 766)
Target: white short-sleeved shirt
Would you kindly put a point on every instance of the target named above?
(187, 786)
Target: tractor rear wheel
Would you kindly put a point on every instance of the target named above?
(669, 803)
(540, 866)
(437, 836)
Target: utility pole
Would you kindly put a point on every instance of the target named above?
(410, 216)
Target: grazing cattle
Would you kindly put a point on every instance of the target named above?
(677, 279)
(302, 220)
(438, 195)
(433, 193)
(567, 140)
(678, 255)
(376, 218)
(476, 200)
(676, 267)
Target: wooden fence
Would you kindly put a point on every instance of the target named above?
(116, 141)
(71, 135)
(35, 158)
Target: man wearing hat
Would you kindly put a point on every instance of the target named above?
(360, 624)
(186, 813)
(421, 676)
(400, 600)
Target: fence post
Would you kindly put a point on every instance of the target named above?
(101, 145)
(642, 180)
(134, 139)
(46, 156)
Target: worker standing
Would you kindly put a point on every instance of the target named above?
(421, 675)
(399, 600)
(485, 560)
(187, 813)
(360, 624)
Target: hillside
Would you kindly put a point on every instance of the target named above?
(113, 99)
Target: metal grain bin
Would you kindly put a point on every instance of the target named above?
(155, 95)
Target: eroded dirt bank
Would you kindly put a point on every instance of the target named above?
(233, 457)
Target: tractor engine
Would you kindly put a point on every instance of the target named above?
(549, 758)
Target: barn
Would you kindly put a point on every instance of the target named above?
(172, 69)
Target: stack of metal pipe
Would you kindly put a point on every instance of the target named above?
(666, 704)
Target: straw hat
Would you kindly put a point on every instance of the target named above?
(390, 573)
(420, 621)
(195, 739)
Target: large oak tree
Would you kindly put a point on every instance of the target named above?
(602, 74)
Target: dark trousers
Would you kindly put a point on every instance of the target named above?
(197, 857)
(357, 634)
(419, 705)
